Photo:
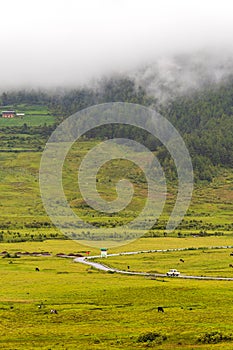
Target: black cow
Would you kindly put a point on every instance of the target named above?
(37, 269)
(160, 309)
(182, 260)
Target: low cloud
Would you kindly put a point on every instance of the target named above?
(68, 43)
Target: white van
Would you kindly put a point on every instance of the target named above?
(173, 272)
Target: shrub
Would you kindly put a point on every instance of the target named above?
(7, 255)
(214, 337)
(151, 336)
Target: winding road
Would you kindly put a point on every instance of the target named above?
(103, 267)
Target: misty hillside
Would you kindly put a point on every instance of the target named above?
(178, 75)
(203, 117)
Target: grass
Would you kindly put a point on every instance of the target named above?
(203, 262)
(100, 310)
(21, 206)
(29, 119)
(34, 116)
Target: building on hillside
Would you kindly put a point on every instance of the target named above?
(103, 252)
(8, 114)
(20, 115)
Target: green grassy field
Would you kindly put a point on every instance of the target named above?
(99, 310)
(34, 116)
(210, 212)
(29, 119)
(198, 263)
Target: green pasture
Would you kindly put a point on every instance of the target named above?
(210, 212)
(99, 310)
(34, 116)
(29, 119)
(173, 243)
(203, 262)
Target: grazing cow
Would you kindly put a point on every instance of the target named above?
(182, 260)
(37, 269)
(230, 265)
(231, 254)
(53, 311)
(160, 309)
(128, 267)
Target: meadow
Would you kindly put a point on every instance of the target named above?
(35, 115)
(23, 214)
(99, 310)
(201, 262)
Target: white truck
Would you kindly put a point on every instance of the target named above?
(173, 273)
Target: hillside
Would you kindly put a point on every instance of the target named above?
(204, 119)
(24, 218)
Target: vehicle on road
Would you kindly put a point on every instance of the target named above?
(173, 273)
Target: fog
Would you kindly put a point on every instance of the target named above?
(177, 75)
(69, 43)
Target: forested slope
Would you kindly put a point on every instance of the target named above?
(204, 118)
